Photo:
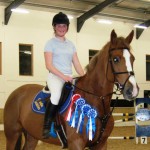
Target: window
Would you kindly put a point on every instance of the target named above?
(0, 58)
(148, 67)
(92, 53)
(25, 59)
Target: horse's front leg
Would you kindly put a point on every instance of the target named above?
(30, 142)
(101, 146)
(104, 147)
(75, 141)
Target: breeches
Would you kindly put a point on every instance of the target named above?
(55, 85)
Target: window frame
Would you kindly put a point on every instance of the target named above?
(0, 58)
(31, 46)
(147, 61)
(92, 52)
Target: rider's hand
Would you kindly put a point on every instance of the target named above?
(67, 78)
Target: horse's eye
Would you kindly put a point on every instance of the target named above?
(116, 59)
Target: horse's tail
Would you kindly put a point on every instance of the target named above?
(19, 142)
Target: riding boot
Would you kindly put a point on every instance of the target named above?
(50, 114)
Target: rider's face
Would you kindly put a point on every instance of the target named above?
(61, 29)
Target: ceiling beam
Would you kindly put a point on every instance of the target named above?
(92, 12)
(140, 31)
(8, 11)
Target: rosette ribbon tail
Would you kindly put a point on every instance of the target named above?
(74, 119)
(69, 113)
(70, 109)
(91, 125)
(80, 123)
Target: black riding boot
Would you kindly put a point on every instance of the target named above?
(50, 114)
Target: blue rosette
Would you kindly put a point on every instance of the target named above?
(91, 126)
(75, 116)
(84, 109)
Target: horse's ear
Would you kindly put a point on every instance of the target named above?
(130, 37)
(113, 36)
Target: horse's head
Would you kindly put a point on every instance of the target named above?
(121, 62)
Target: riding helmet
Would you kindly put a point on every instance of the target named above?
(60, 18)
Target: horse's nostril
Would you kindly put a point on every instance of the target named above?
(129, 92)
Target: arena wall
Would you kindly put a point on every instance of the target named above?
(35, 28)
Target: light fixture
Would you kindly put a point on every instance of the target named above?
(104, 21)
(140, 26)
(20, 10)
(27, 52)
(70, 16)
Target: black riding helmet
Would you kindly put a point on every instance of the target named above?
(60, 18)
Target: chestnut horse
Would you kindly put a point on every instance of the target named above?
(113, 64)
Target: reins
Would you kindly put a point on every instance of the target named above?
(99, 97)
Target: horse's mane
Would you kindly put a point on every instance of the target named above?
(98, 55)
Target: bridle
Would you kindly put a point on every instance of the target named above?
(131, 73)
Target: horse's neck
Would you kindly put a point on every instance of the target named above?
(99, 88)
(96, 82)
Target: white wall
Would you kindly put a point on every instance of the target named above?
(35, 28)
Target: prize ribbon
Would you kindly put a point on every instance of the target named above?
(84, 109)
(69, 112)
(91, 126)
(74, 118)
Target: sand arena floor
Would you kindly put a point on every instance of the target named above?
(112, 144)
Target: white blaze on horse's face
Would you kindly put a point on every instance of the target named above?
(127, 55)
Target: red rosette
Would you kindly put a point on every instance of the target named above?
(73, 100)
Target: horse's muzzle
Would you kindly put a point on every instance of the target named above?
(130, 91)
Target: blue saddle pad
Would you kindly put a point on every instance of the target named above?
(39, 102)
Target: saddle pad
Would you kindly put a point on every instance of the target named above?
(39, 102)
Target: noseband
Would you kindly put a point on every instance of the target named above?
(131, 73)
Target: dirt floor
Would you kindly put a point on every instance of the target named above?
(112, 144)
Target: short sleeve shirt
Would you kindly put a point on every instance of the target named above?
(62, 52)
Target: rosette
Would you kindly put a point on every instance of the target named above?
(75, 116)
(91, 126)
(84, 109)
(73, 100)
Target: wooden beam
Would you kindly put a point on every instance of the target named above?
(8, 11)
(140, 31)
(91, 12)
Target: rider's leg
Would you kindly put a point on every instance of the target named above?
(55, 85)
(50, 114)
